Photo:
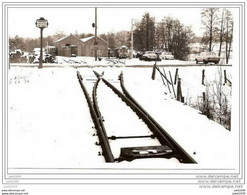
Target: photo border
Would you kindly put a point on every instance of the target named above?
(12, 177)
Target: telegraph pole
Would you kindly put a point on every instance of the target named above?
(95, 38)
(131, 43)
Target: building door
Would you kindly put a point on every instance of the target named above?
(74, 49)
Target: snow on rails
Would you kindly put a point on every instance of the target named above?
(167, 148)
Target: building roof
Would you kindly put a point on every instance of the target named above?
(61, 39)
(65, 38)
(87, 39)
(83, 40)
(92, 37)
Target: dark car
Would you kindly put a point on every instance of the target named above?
(48, 58)
(139, 54)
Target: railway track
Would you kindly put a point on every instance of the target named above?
(167, 147)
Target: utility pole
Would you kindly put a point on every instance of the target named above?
(131, 41)
(95, 38)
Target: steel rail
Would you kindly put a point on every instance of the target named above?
(185, 157)
(106, 149)
(97, 111)
(160, 136)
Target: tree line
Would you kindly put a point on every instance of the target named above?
(218, 27)
(169, 34)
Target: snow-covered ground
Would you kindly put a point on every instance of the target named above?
(49, 124)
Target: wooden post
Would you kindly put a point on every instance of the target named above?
(157, 68)
(162, 78)
(176, 75)
(167, 81)
(225, 78)
(203, 76)
(153, 73)
(179, 91)
(204, 102)
(203, 97)
(172, 84)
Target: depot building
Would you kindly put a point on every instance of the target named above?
(72, 45)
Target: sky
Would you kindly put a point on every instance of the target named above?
(21, 21)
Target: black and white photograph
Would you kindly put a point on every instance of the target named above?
(116, 96)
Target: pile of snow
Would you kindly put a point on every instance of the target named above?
(206, 141)
(49, 124)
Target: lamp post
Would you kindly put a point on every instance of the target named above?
(41, 23)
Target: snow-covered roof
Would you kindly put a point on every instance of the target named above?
(67, 37)
(61, 39)
(89, 38)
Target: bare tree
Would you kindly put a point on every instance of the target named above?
(160, 36)
(144, 33)
(221, 31)
(209, 19)
(58, 35)
(17, 43)
(173, 36)
(228, 34)
(122, 38)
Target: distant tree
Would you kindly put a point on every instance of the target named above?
(31, 44)
(164, 33)
(221, 31)
(144, 33)
(137, 35)
(58, 35)
(181, 39)
(196, 39)
(228, 34)
(122, 38)
(209, 19)
(173, 36)
(84, 35)
(111, 41)
(160, 35)
(17, 43)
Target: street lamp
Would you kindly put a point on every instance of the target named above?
(41, 23)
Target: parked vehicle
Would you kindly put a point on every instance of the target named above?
(139, 54)
(149, 56)
(47, 58)
(121, 52)
(206, 57)
(166, 55)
